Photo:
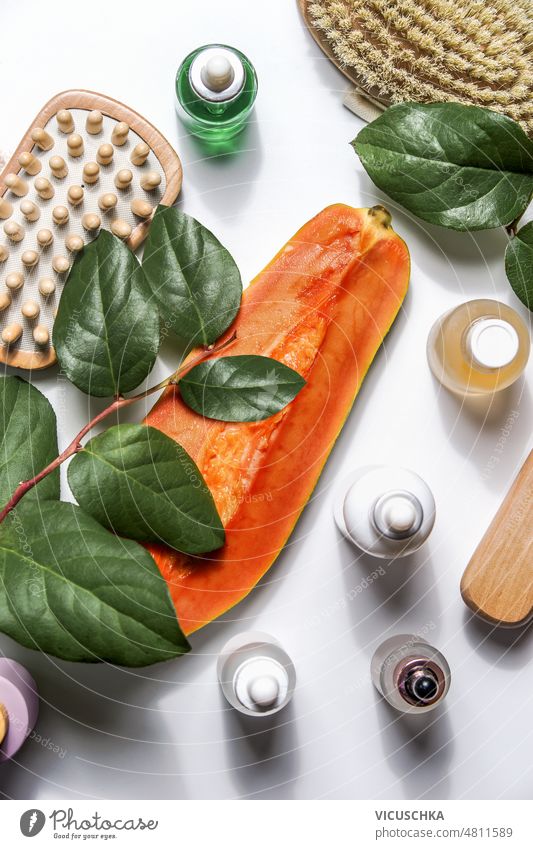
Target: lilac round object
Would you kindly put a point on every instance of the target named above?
(18, 694)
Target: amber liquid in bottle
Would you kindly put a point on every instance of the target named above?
(478, 348)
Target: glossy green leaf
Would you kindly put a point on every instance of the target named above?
(240, 389)
(459, 166)
(138, 482)
(193, 277)
(106, 333)
(28, 439)
(519, 264)
(70, 588)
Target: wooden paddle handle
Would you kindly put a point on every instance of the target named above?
(498, 582)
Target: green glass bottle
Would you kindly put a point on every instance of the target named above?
(216, 87)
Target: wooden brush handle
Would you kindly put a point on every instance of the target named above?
(498, 582)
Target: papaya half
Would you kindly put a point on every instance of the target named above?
(323, 307)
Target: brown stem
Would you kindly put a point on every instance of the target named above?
(117, 404)
(511, 229)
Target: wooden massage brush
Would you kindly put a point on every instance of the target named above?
(498, 582)
(439, 50)
(86, 161)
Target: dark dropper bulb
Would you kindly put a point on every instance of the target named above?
(422, 686)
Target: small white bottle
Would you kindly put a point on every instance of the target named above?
(386, 511)
(478, 348)
(256, 674)
(410, 674)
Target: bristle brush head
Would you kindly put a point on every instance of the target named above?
(404, 50)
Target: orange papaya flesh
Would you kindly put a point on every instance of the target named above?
(322, 306)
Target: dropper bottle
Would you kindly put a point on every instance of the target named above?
(411, 675)
(256, 674)
(216, 87)
(478, 348)
(386, 511)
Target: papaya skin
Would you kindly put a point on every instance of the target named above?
(323, 306)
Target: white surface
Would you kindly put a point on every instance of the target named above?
(167, 731)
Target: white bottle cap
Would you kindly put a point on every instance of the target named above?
(217, 74)
(261, 684)
(492, 343)
(264, 690)
(397, 514)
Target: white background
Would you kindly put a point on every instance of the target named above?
(165, 732)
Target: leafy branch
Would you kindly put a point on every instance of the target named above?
(118, 403)
(461, 167)
(74, 580)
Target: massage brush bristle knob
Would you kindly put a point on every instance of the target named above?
(16, 185)
(15, 280)
(94, 122)
(75, 195)
(120, 134)
(42, 139)
(141, 208)
(30, 259)
(65, 121)
(6, 208)
(90, 221)
(139, 154)
(121, 229)
(60, 214)
(75, 145)
(14, 231)
(29, 163)
(104, 155)
(47, 286)
(150, 181)
(30, 210)
(44, 188)
(41, 335)
(60, 264)
(74, 243)
(58, 167)
(11, 333)
(91, 173)
(30, 309)
(45, 238)
(123, 178)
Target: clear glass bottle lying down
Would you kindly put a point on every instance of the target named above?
(478, 348)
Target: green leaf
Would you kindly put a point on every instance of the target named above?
(28, 439)
(138, 482)
(71, 589)
(193, 277)
(519, 264)
(240, 389)
(459, 166)
(106, 333)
